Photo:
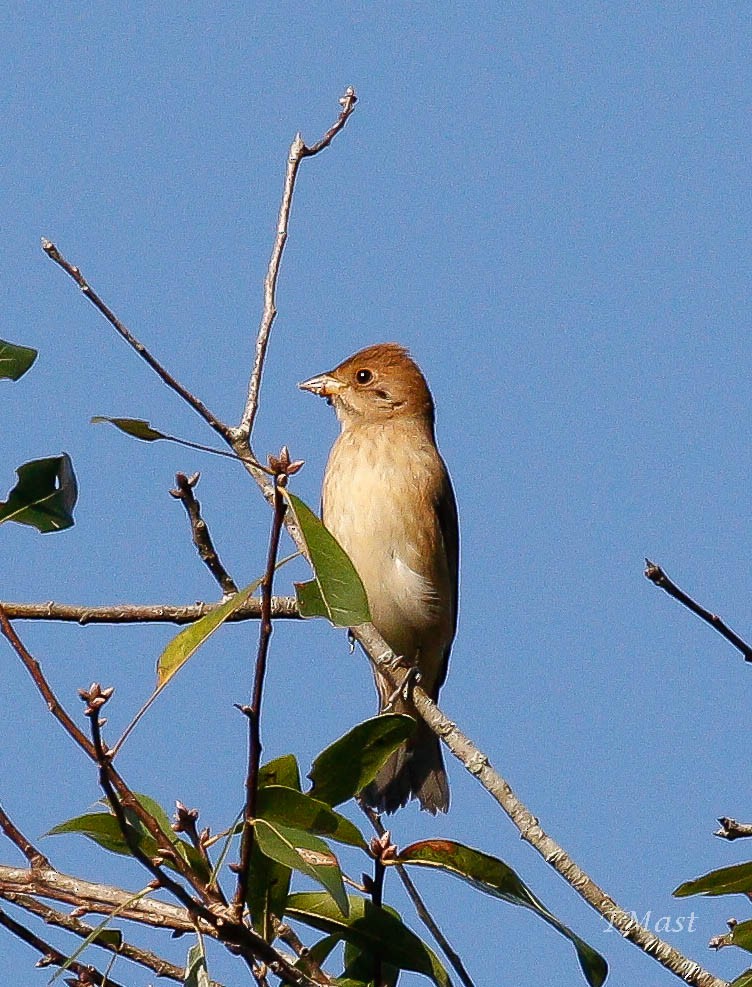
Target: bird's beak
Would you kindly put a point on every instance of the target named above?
(324, 385)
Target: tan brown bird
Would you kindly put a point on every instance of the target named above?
(388, 500)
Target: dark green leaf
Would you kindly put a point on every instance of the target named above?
(282, 770)
(15, 360)
(736, 879)
(352, 762)
(372, 930)
(336, 591)
(136, 427)
(285, 805)
(268, 888)
(359, 969)
(185, 644)
(494, 877)
(305, 853)
(44, 496)
(103, 829)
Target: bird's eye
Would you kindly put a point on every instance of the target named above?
(364, 376)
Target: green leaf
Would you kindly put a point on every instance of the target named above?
(44, 496)
(136, 427)
(494, 877)
(741, 935)
(743, 980)
(279, 804)
(305, 853)
(185, 644)
(349, 764)
(736, 879)
(268, 888)
(359, 969)
(282, 770)
(372, 930)
(269, 881)
(104, 829)
(336, 591)
(196, 971)
(15, 360)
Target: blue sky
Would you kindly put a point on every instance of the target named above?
(549, 204)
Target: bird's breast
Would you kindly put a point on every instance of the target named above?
(378, 501)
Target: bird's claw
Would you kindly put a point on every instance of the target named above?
(412, 677)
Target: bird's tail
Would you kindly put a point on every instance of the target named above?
(415, 770)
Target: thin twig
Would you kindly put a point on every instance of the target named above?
(198, 406)
(253, 710)
(144, 957)
(298, 151)
(73, 731)
(52, 956)
(35, 857)
(420, 907)
(656, 575)
(283, 608)
(184, 487)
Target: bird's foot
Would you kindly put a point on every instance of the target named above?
(404, 689)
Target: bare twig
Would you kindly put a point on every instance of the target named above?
(253, 710)
(184, 487)
(283, 608)
(144, 957)
(733, 830)
(656, 575)
(35, 857)
(423, 914)
(250, 945)
(298, 151)
(198, 406)
(53, 957)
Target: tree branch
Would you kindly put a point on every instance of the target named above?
(283, 608)
(198, 406)
(184, 487)
(298, 150)
(423, 914)
(143, 957)
(253, 710)
(478, 764)
(53, 957)
(657, 576)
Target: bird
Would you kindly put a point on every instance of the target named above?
(388, 500)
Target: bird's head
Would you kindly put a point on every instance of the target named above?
(379, 383)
